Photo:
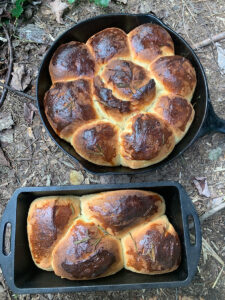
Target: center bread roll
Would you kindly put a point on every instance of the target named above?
(114, 78)
(120, 211)
(93, 236)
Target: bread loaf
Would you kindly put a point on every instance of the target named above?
(130, 88)
(92, 236)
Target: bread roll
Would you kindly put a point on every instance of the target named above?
(146, 140)
(149, 41)
(120, 211)
(85, 252)
(98, 142)
(68, 105)
(71, 61)
(134, 83)
(177, 112)
(48, 220)
(107, 44)
(152, 248)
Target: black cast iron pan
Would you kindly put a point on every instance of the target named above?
(24, 277)
(205, 120)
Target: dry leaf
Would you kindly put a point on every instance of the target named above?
(202, 186)
(20, 77)
(76, 177)
(29, 110)
(57, 8)
(3, 159)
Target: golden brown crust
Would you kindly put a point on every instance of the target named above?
(82, 247)
(177, 111)
(71, 61)
(108, 43)
(153, 248)
(176, 74)
(130, 83)
(149, 41)
(97, 142)
(146, 138)
(85, 252)
(120, 211)
(68, 105)
(48, 219)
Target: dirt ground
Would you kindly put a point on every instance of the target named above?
(37, 161)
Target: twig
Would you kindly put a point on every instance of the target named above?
(212, 252)
(212, 212)
(17, 92)
(34, 141)
(7, 80)
(206, 42)
(209, 213)
(218, 277)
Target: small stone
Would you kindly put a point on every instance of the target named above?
(76, 177)
(28, 13)
(6, 137)
(30, 133)
(48, 180)
(221, 58)
(6, 121)
(33, 33)
(122, 1)
(215, 153)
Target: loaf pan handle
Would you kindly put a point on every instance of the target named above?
(212, 122)
(7, 261)
(193, 251)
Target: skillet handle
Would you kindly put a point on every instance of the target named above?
(7, 261)
(212, 122)
(193, 251)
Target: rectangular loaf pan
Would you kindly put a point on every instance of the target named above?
(23, 276)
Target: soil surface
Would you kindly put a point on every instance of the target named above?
(36, 161)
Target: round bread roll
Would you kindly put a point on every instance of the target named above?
(92, 236)
(177, 112)
(115, 78)
(85, 253)
(48, 220)
(68, 105)
(153, 248)
(71, 61)
(149, 41)
(98, 143)
(146, 140)
(107, 44)
(176, 75)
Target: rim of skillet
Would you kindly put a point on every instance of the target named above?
(128, 170)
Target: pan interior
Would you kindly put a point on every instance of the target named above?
(28, 276)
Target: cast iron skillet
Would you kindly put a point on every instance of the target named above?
(205, 120)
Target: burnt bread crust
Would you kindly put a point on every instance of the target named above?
(96, 235)
(116, 78)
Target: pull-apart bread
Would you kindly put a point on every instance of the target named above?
(82, 238)
(121, 99)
